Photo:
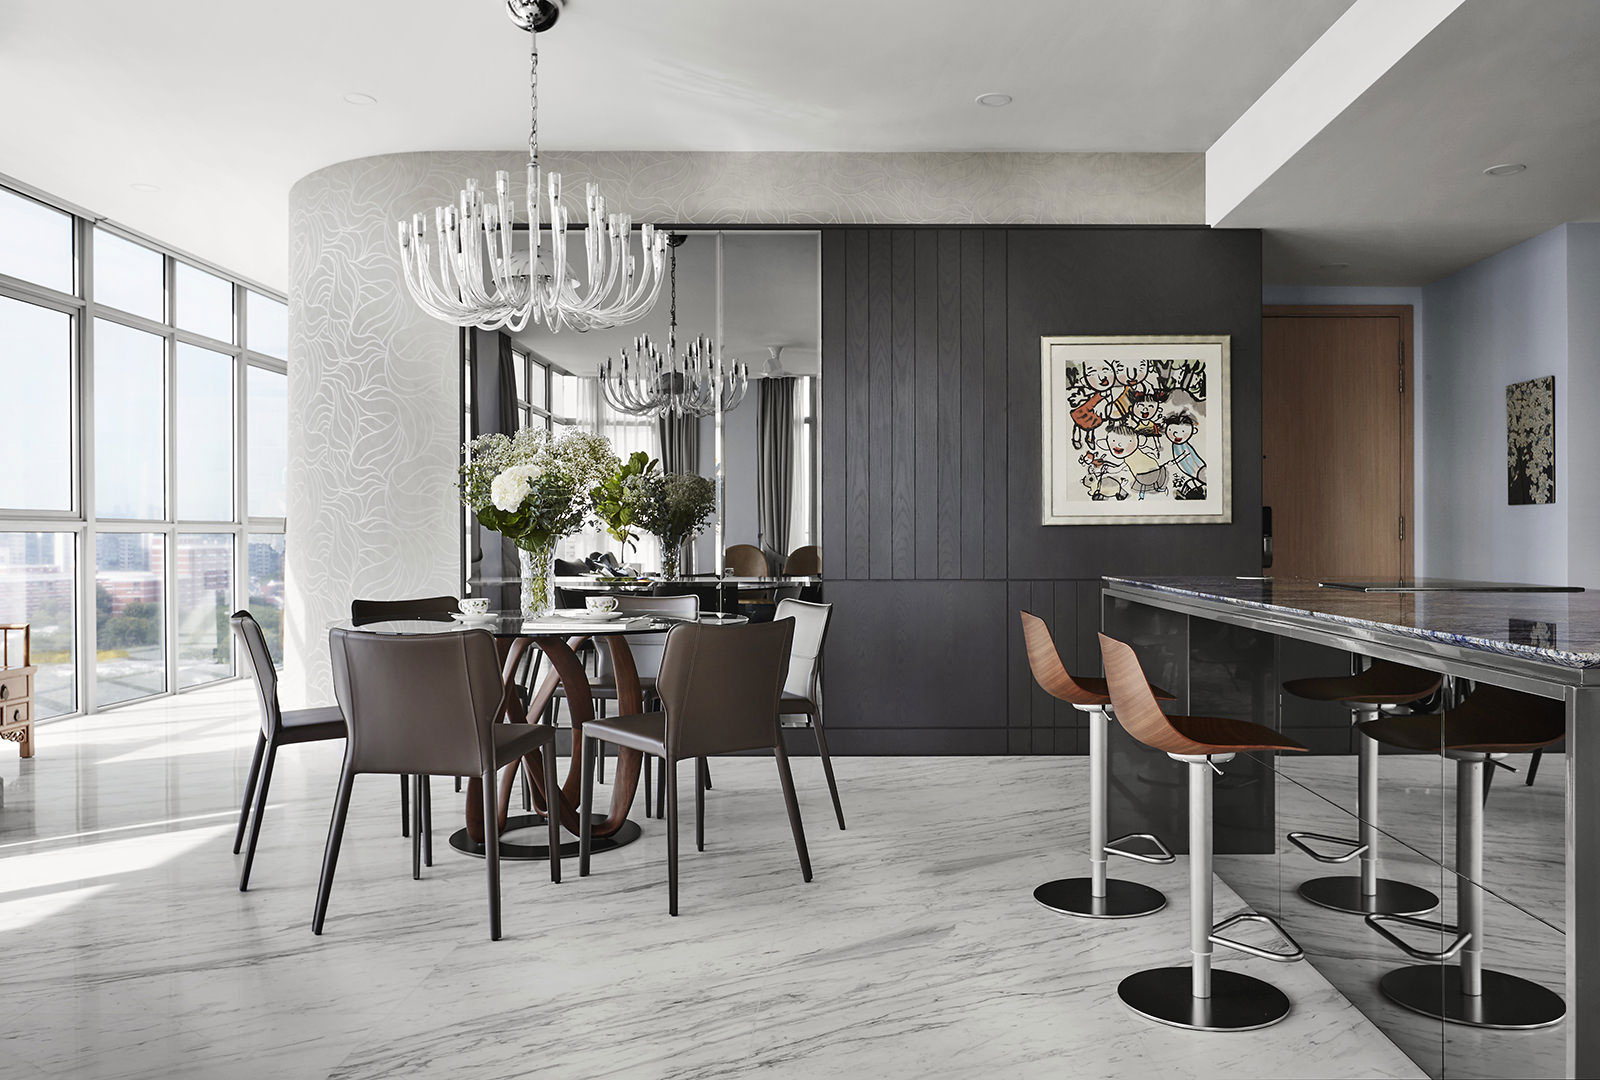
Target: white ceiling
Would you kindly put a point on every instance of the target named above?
(771, 296)
(224, 105)
(1394, 185)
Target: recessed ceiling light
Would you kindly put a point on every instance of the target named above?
(1508, 169)
(144, 187)
(1335, 266)
(994, 101)
(355, 98)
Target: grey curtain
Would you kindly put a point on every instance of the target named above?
(774, 466)
(494, 408)
(680, 453)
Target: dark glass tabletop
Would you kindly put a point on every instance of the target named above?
(512, 624)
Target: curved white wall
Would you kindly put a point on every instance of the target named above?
(374, 397)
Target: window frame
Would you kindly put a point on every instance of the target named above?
(82, 521)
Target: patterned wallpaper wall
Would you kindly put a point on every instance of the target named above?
(374, 396)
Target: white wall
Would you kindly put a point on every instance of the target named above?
(374, 399)
(1582, 464)
(1499, 321)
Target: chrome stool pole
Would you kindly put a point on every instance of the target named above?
(1100, 896)
(1198, 997)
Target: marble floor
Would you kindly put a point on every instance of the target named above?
(916, 952)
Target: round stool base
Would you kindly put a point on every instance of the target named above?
(1238, 1002)
(1123, 899)
(513, 852)
(1508, 1002)
(1392, 898)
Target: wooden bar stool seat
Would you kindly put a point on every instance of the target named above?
(1196, 997)
(1383, 686)
(1491, 723)
(1096, 896)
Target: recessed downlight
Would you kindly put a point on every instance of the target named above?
(357, 98)
(1508, 169)
(144, 187)
(993, 100)
(1335, 266)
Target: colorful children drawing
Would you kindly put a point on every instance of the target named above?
(1135, 421)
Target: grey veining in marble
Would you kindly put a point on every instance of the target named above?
(916, 952)
(1556, 628)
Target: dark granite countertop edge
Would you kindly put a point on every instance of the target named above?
(1504, 648)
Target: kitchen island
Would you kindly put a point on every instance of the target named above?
(1224, 646)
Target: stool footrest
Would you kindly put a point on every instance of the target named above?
(1294, 952)
(1377, 921)
(1162, 857)
(1298, 839)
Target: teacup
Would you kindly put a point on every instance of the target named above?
(600, 605)
(475, 605)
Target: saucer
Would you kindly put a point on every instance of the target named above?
(469, 617)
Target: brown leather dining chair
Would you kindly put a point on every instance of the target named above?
(279, 727)
(745, 560)
(804, 561)
(433, 609)
(802, 689)
(719, 689)
(428, 704)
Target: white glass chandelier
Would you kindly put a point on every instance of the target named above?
(650, 383)
(468, 269)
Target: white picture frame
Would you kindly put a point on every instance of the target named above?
(1136, 430)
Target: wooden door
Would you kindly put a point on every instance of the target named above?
(1336, 441)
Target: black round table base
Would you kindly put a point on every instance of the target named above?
(1508, 1002)
(1238, 1002)
(624, 836)
(1123, 899)
(1392, 898)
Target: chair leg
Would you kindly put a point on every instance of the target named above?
(705, 774)
(661, 787)
(669, 784)
(527, 787)
(405, 806)
(649, 800)
(427, 820)
(458, 785)
(793, 806)
(586, 802)
(416, 826)
(827, 765)
(249, 791)
(491, 852)
(552, 810)
(1533, 770)
(262, 784)
(330, 854)
(601, 762)
(700, 804)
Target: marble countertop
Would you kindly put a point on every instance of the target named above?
(1556, 628)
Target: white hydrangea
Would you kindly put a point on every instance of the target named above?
(511, 486)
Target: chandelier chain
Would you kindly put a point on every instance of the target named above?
(533, 88)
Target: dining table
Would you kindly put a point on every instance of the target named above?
(558, 636)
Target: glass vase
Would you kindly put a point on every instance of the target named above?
(536, 563)
(669, 560)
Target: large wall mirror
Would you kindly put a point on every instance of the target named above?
(757, 294)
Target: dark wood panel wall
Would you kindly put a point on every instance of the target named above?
(931, 465)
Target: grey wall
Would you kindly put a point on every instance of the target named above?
(374, 390)
(1583, 408)
(1499, 321)
(931, 463)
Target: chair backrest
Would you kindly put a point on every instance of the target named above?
(745, 560)
(720, 686)
(804, 561)
(437, 608)
(1044, 660)
(418, 703)
(247, 632)
(647, 649)
(1134, 705)
(805, 654)
(708, 593)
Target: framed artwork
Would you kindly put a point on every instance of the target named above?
(1531, 442)
(1136, 430)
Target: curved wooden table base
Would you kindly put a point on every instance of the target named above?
(568, 673)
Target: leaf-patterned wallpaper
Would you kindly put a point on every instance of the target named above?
(374, 393)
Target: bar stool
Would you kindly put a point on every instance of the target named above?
(1096, 896)
(1383, 685)
(1197, 997)
(1490, 724)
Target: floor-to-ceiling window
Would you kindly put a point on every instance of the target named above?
(143, 458)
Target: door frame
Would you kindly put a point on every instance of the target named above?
(1407, 378)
